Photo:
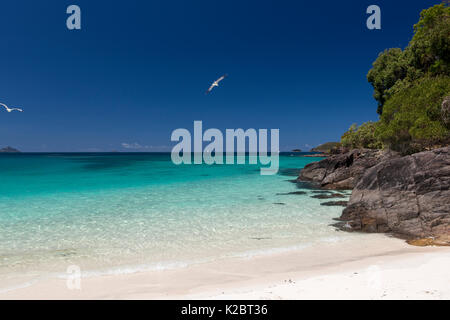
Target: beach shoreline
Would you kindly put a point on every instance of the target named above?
(377, 267)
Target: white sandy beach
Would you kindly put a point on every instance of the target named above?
(377, 267)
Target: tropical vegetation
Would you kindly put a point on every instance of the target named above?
(410, 86)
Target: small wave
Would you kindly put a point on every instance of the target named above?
(18, 286)
(130, 269)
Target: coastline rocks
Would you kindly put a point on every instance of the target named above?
(409, 196)
(328, 196)
(317, 155)
(425, 242)
(343, 171)
(299, 193)
(335, 204)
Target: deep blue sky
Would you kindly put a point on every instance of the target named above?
(139, 69)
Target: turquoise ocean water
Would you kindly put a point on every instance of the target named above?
(114, 213)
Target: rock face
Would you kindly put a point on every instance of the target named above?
(9, 150)
(408, 195)
(343, 171)
(445, 110)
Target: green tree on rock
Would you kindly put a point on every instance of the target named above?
(410, 86)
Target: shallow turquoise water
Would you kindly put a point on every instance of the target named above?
(130, 212)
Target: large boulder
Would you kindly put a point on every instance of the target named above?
(408, 196)
(343, 171)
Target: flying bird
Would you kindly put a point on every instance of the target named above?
(216, 83)
(10, 109)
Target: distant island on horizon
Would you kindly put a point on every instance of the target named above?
(9, 150)
(323, 148)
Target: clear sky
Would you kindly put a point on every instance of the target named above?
(137, 70)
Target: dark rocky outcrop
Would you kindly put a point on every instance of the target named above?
(9, 150)
(335, 203)
(290, 172)
(328, 196)
(292, 193)
(409, 196)
(343, 171)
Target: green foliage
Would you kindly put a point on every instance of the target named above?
(388, 69)
(363, 136)
(428, 53)
(430, 45)
(410, 86)
(411, 120)
(326, 147)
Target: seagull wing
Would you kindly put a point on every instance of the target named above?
(10, 109)
(209, 89)
(221, 78)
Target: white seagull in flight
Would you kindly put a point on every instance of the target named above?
(10, 109)
(216, 83)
